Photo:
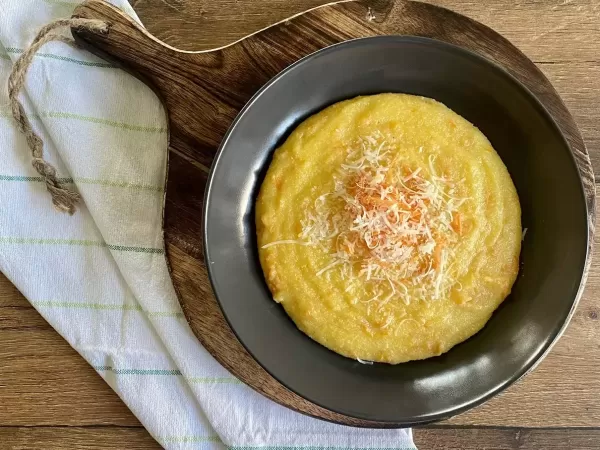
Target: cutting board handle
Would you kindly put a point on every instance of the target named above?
(127, 43)
(183, 80)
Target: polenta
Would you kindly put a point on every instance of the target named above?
(388, 228)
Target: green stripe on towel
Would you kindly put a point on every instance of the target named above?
(27, 178)
(213, 380)
(18, 51)
(138, 371)
(98, 120)
(79, 242)
(90, 119)
(283, 447)
(106, 307)
(167, 372)
(187, 439)
(81, 180)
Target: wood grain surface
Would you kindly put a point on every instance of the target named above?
(50, 396)
(203, 92)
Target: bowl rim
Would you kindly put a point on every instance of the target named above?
(534, 361)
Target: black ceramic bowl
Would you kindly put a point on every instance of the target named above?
(542, 168)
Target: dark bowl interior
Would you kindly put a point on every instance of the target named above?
(542, 168)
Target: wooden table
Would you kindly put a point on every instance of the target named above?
(51, 399)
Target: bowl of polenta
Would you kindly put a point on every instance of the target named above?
(396, 229)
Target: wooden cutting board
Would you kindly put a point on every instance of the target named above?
(203, 92)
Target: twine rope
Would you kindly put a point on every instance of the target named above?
(63, 198)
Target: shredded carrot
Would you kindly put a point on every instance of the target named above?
(457, 223)
(437, 256)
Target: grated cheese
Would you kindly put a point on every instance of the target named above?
(362, 361)
(387, 225)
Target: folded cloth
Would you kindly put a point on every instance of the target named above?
(99, 277)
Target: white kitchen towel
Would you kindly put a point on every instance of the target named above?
(99, 277)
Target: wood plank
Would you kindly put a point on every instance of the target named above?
(563, 30)
(435, 438)
(76, 438)
(43, 380)
(549, 30)
(9, 294)
(578, 83)
(205, 24)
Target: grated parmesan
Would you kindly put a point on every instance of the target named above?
(391, 227)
